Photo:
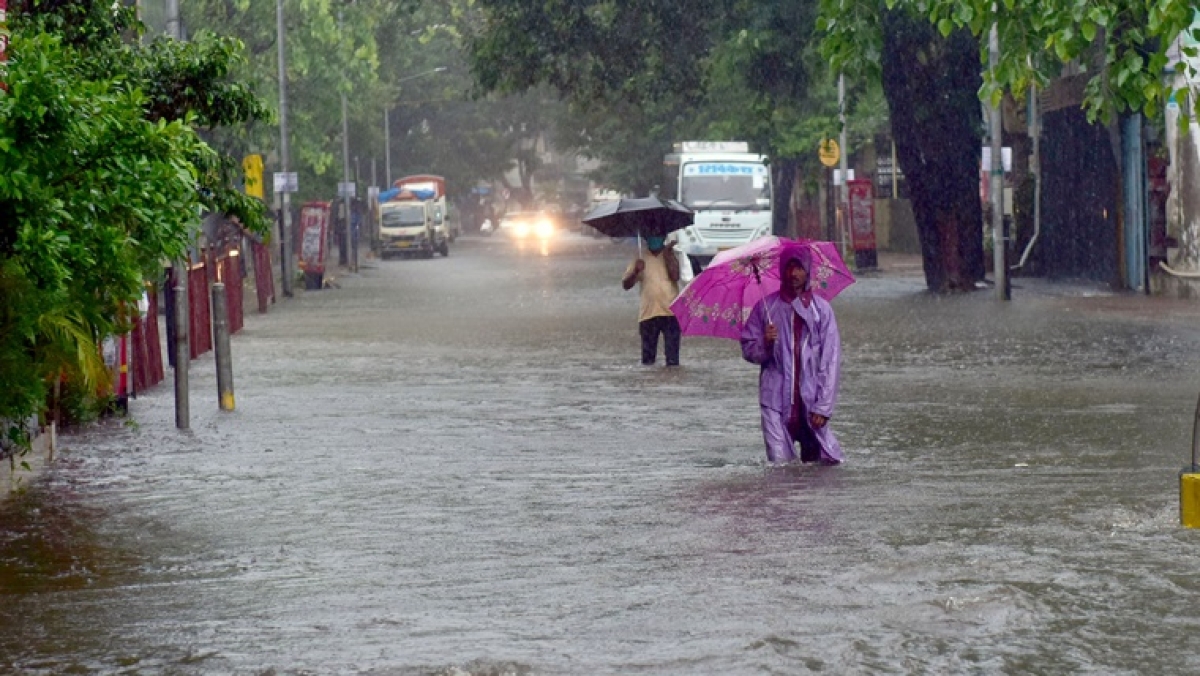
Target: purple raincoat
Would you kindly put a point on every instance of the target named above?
(820, 363)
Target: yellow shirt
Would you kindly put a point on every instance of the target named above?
(657, 289)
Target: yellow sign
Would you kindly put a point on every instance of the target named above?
(829, 152)
(253, 166)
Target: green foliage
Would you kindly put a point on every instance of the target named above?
(596, 50)
(1124, 44)
(641, 77)
(383, 58)
(92, 27)
(102, 177)
(92, 197)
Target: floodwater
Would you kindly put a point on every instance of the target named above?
(457, 466)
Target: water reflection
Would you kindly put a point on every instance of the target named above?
(541, 246)
(49, 543)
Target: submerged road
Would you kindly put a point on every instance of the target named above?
(457, 466)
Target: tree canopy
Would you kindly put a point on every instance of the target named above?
(1123, 44)
(102, 177)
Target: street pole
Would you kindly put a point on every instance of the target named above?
(348, 222)
(999, 243)
(179, 277)
(844, 189)
(387, 148)
(222, 352)
(285, 220)
(387, 127)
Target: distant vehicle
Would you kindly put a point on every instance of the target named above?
(529, 224)
(727, 186)
(412, 217)
(406, 228)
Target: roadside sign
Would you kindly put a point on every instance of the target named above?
(829, 152)
(1005, 159)
(862, 215)
(347, 189)
(289, 182)
(252, 165)
(314, 230)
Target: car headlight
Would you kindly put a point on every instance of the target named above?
(544, 229)
(521, 229)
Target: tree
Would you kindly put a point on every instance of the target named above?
(727, 68)
(384, 59)
(101, 178)
(931, 83)
(1037, 38)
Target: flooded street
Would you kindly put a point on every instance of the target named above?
(458, 466)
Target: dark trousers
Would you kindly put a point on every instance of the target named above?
(650, 328)
(802, 433)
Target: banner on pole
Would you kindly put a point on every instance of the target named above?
(314, 228)
(862, 214)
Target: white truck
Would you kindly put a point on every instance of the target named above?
(727, 186)
(407, 228)
(413, 217)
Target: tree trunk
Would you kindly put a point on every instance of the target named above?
(1183, 208)
(784, 178)
(931, 84)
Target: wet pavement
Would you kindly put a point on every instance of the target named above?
(457, 466)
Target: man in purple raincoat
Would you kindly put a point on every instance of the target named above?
(793, 336)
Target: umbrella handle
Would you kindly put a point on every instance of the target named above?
(639, 243)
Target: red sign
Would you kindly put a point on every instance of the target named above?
(314, 227)
(862, 215)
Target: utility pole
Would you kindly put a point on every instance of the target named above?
(351, 254)
(179, 275)
(999, 242)
(844, 189)
(285, 220)
(387, 148)
(387, 126)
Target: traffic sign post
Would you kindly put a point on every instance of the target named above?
(829, 152)
(252, 165)
(286, 182)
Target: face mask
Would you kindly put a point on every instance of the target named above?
(654, 243)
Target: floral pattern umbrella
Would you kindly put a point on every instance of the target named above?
(719, 300)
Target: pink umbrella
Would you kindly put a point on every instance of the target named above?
(719, 300)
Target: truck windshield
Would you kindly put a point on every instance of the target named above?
(725, 185)
(403, 217)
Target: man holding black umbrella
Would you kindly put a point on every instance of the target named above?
(657, 275)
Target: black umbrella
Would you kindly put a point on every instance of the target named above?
(639, 216)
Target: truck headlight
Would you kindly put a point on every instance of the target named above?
(544, 229)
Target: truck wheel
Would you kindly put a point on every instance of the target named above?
(445, 249)
(698, 263)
